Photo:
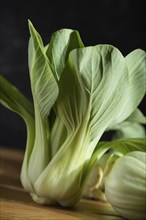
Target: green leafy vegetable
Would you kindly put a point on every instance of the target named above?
(125, 185)
(95, 185)
(78, 93)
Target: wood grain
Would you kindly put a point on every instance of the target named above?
(17, 204)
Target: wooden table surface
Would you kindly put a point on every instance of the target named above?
(17, 204)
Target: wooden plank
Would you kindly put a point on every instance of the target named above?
(17, 204)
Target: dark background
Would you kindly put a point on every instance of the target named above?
(121, 23)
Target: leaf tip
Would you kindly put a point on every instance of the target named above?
(29, 23)
(31, 27)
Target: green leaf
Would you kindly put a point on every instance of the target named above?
(131, 127)
(121, 146)
(136, 62)
(98, 67)
(109, 84)
(55, 142)
(45, 91)
(14, 100)
(125, 186)
(61, 43)
(91, 87)
(43, 83)
(124, 146)
(137, 116)
(129, 130)
(72, 100)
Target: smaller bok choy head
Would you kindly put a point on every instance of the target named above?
(88, 89)
(125, 186)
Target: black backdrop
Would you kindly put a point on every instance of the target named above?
(117, 22)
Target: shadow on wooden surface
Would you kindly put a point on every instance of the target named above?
(17, 204)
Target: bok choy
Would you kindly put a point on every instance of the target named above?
(78, 93)
(125, 186)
